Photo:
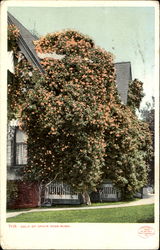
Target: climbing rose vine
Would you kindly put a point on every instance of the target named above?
(78, 131)
(13, 35)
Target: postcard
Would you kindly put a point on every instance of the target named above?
(79, 125)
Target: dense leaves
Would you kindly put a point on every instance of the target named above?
(13, 35)
(127, 151)
(64, 112)
(12, 191)
(78, 131)
(148, 116)
(135, 94)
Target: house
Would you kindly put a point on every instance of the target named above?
(54, 192)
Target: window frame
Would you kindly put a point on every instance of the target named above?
(16, 151)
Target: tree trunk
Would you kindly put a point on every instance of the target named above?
(86, 198)
(141, 193)
(123, 193)
(41, 194)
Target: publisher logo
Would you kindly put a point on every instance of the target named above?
(146, 231)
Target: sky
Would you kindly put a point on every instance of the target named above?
(127, 32)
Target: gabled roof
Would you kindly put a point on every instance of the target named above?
(25, 43)
(123, 77)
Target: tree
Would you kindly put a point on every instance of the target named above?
(78, 131)
(135, 94)
(127, 151)
(147, 115)
(64, 112)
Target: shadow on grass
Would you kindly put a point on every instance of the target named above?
(147, 220)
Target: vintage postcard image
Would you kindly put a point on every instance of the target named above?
(79, 125)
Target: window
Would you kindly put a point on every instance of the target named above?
(10, 144)
(20, 148)
(9, 152)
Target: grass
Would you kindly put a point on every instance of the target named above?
(81, 205)
(134, 214)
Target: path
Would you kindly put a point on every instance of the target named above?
(145, 201)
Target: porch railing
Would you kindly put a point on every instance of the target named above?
(57, 190)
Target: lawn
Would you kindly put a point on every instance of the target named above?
(134, 214)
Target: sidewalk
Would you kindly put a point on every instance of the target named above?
(145, 201)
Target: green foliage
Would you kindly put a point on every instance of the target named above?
(135, 94)
(13, 35)
(128, 147)
(12, 191)
(148, 116)
(78, 131)
(64, 111)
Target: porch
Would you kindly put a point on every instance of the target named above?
(61, 193)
